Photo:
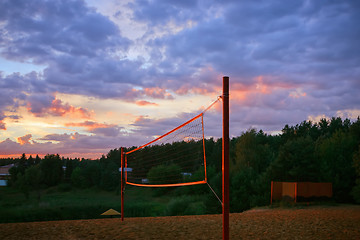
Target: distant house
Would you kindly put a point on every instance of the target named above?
(4, 174)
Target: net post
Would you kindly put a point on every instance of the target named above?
(272, 189)
(225, 158)
(203, 140)
(125, 164)
(122, 182)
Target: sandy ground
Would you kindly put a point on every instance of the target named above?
(340, 222)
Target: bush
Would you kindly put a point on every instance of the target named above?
(196, 208)
(143, 209)
(64, 187)
(160, 174)
(77, 178)
(356, 192)
(185, 205)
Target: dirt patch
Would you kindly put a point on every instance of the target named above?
(341, 222)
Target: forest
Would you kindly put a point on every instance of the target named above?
(325, 151)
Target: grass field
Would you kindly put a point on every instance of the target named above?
(46, 218)
(315, 222)
(59, 204)
(75, 204)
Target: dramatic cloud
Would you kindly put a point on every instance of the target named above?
(41, 105)
(288, 61)
(73, 145)
(157, 12)
(145, 103)
(60, 109)
(48, 30)
(109, 130)
(25, 139)
(12, 93)
(2, 124)
(81, 48)
(274, 39)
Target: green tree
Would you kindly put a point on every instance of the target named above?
(163, 174)
(51, 168)
(336, 157)
(69, 168)
(37, 160)
(33, 178)
(78, 178)
(22, 164)
(22, 185)
(114, 156)
(30, 161)
(213, 150)
(356, 189)
(337, 124)
(92, 172)
(14, 171)
(296, 161)
(110, 177)
(252, 151)
(241, 189)
(354, 130)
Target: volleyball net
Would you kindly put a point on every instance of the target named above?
(177, 158)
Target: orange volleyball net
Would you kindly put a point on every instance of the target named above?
(177, 158)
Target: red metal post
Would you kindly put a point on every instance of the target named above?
(272, 189)
(122, 183)
(225, 159)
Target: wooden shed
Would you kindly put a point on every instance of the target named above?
(293, 191)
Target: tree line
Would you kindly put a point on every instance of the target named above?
(325, 151)
(36, 174)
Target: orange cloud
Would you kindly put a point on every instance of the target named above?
(203, 89)
(90, 125)
(60, 109)
(40, 107)
(141, 119)
(24, 139)
(2, 125)
(261, 85)
(153, 92)
(145, 103)
(157, 92)
(109, 130)
(182, 90)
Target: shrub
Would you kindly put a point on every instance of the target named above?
(185, 205)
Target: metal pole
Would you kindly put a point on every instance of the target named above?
(272, 189)
(122, 183)
(225, 159)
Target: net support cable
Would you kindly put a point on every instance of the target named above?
(215, 193)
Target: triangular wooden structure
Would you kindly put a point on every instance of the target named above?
(111, 212)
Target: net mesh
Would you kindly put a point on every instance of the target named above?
(176, 158)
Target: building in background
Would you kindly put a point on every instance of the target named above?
(4, 174)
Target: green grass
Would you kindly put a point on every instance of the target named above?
(76, 204)
(64, 203)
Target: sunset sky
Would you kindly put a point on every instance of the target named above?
(79, 78)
